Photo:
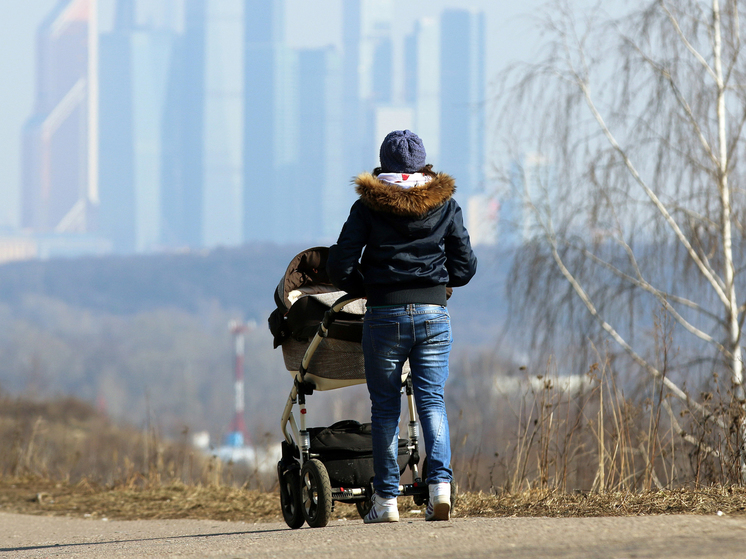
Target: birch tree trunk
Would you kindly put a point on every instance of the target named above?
(729, 272)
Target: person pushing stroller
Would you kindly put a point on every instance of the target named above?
(402, 246)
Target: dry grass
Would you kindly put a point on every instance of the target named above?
(31, 495)
(594, 436)
(590, 452)
(711, 500)
(36, 496)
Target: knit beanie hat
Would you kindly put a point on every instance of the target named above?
(402, 152)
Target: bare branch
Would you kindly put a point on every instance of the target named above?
(737, 43)
(734, 145)
(709, 274)
(686, 436)
(663, 298)
(666, 74)
(686, 42)
(578, 289)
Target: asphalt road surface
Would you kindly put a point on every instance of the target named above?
(522, 538)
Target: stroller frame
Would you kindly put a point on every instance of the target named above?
(306, 493)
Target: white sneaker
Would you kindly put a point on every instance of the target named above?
(383, 510)
(439, 504)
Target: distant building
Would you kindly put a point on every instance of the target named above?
(422, 84)
(202, 178)
(483, 212)
(60, 148)
(116, 134)
(172, 142)
(214, 132)
(223, 130)
(28, 246)
(268, 67)
(182, 213)
(462, 98)
(352, 115)
(152, 54)
(530, 191)
(376, 74)
(137, 59)
(319, 206)
(376, 51)
(382, 70)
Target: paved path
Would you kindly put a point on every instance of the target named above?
(521, 538)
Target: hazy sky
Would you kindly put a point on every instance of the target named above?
(309, 23)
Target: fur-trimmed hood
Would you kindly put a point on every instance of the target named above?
(409, 202)
(402, 245)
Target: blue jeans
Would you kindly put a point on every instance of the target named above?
(391, 335)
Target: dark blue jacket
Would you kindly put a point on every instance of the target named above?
(414, 240)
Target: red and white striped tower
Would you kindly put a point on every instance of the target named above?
(238, 425)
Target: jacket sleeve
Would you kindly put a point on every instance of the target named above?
(461, 262)
(343, 263)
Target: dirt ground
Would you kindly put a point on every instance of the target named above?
(660, 536)
(177, 501)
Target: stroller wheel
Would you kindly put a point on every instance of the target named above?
(292, 510)
(422, 499)
(316, 494)
(363, 507)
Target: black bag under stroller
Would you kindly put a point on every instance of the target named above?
(319, 329)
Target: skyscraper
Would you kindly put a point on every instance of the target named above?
(202, 181)
(60, 161)
(152, 50)
(318, 207)
(462, 98)
(116, 147)
(136, 60)
(352, 114)
(422, 84)
(382, 86)
(376, 50)
(182, 210)
(223, 133)
(267, 66)
(304, 206)
(376, 76)
(173, 141)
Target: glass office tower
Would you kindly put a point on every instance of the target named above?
(60, 139)
(462, 98)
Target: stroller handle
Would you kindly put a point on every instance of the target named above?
(340, 303)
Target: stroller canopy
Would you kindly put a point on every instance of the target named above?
(306, 273)
(302, 297)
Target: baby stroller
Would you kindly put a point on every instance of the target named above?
(320, 331)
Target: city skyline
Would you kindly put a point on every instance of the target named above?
(383, 107)
(510, 37)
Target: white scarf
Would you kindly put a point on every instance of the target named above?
(405, 180)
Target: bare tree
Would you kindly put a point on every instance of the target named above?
(633, 198)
